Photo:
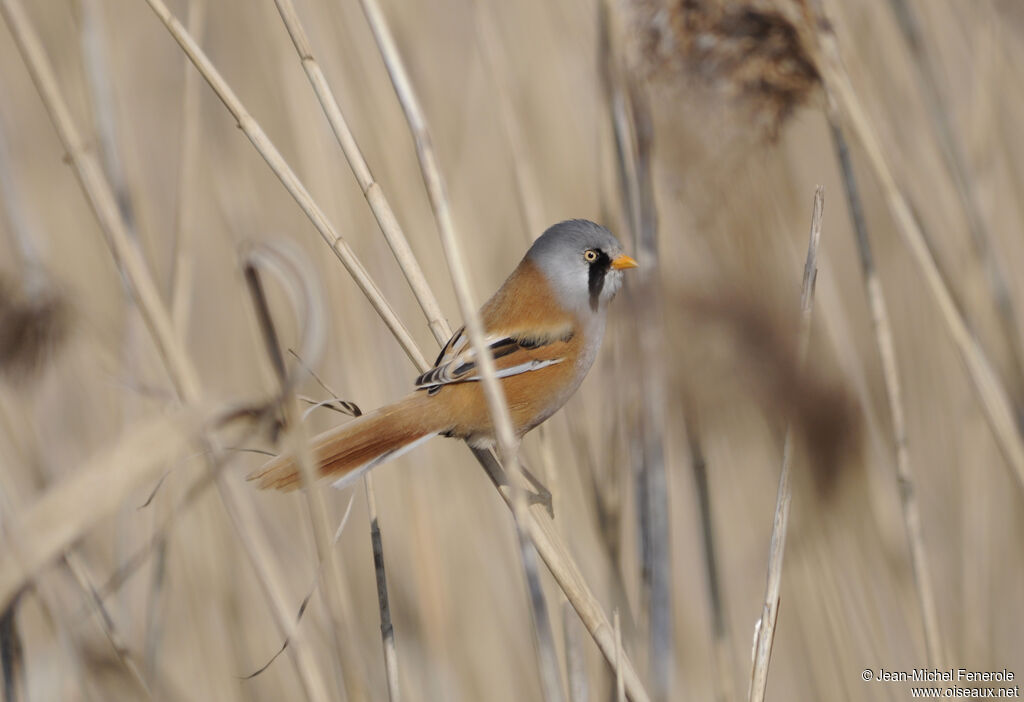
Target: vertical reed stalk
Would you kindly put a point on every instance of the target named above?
(894, 394)
(634, 134)
(548, 544)
(508, 444)
(12, 657)
(575, 661)
(169, 346)
(959, 173)
(292, 271)
(254, 132)
(765, 636)
(992, 395)
(387, 629)
(372, 190)
(188, 172)
(721, 652)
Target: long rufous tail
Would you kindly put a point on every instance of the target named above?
(362, 443)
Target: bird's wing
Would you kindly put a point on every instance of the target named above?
(515, 352)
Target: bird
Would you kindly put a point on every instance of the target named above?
(544, 327)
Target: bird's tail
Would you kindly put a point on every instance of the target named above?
(348, 450)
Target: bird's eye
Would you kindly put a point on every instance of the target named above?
(590, 255)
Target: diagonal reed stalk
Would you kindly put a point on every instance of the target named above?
(36, 535)
(180, 295)
(387, 629)
(527, 195)
(254, 132)
(80, 572)
(181, 266)
(765, 635)
(280, 260)
(372, 191)
(956, 165)
(990, 391)
(894, 393)
(540, 527)
(388, 223)
(169, 346)
(508, 444)
(488, 42)
(414, 275)
(96, 64)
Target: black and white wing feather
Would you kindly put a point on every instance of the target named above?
(514, 353)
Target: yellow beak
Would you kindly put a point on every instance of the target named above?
(623, 261)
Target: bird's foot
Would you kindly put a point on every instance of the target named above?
(540, 494)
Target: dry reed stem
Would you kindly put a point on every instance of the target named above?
(507, 442)
(76, 565)
(550, 547)
(80, 572)
(956, 164)
(277, 259)
(377, 544)
(247, 528)
(25, 240)
(651, 477)
(575, 661)
(188, 167)
(388, 223)
(633, 132)
(372, 190)
(254, 132)
(96, 66)
(41, 532)
(387, 630)
(620, 687)
(181, 283)
(154, 610)
(101, 197)
(721, 650)
(527, 194)
(569, 578)
(12, 655)
(182, 374)
(893, 390)
(770, 611)
(991, 393)
(614, 81)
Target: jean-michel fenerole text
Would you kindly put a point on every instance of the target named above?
(948, 675)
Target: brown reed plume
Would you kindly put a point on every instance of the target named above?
(749, 52)
(32, 327)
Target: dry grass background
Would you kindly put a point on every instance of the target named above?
(733, 193)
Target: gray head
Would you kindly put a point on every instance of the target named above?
(583, 262)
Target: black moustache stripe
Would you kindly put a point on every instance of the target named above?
(599, 268)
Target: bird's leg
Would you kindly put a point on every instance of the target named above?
(542, 496)
(496, 472)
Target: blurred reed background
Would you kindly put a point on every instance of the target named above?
(697, 130)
